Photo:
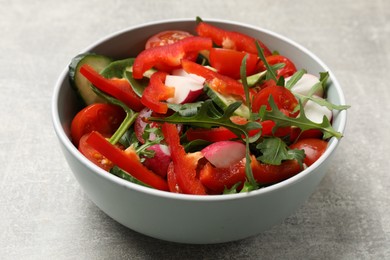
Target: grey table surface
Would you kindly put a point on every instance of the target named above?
(44, 214)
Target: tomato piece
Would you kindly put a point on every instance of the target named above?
(230, 40)
(268, 174)
(228, 62)
(313, 148)
(166, 38)
(221, 83)
(104, 118)
(217, 179)
(127, 160)
(93, 155)
(288, 70)
(184, 164)
(118, 88)
(297, 134)
(283, 98)
(168, 55)
(157, 92)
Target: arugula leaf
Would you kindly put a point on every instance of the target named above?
(232, 190)
(248, 186)
(274, 151)
(157, 138)
(198, 20)
(187, 109)
(323, 79)
(271, 73)
(129, 138)
(126, 123)
(295, 78)
(302, 122)
(322, 102)
(208, 116)
(248, 101)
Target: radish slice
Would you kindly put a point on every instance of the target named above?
(183, 73)
(224, 153)
(304, 85)
(316, 112)
(187, 89)
(161, 160)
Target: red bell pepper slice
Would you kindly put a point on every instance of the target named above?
(118, 88)
(172, 180)
(156, 92)
(222, 84)
(217, 179)
(127, 160)
(228, 62)
(168, 55)
(231, 40)
(184, 164)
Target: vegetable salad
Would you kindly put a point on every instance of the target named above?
(215, 112)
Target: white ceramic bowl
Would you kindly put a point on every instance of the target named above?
(188, 218)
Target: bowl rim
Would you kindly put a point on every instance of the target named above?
(66, 142)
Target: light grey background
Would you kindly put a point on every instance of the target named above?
(45, 215)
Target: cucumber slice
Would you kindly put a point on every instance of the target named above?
(223, 101)
(79, 82)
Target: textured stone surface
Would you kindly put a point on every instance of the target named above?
(44, 213)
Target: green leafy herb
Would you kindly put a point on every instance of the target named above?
(271, 74)
(126, 176)
(188, 109)
(322, 102)
(274, 151)
(248, 186)
(323, 79)
(248, 101)
(117, 69)
(129, 138)
(233, 189)
(208, 116)
(198, 20)
(138, 85)
(302, 122)
(149, 141)
(295, 78)
(127, 122)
